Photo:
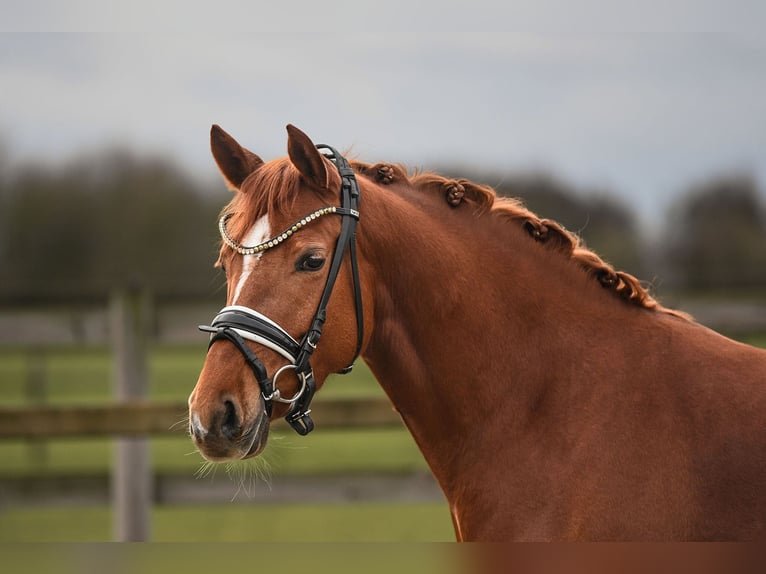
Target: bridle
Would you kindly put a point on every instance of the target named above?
(238, 324)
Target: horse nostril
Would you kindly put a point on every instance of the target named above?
(230, 426)
(196, 428)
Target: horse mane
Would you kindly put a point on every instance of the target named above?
(278, 184)
(484, 200)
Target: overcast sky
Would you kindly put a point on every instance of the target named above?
(642, 100)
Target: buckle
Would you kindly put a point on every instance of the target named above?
(346, 172)
(301, 422)
(311, 343)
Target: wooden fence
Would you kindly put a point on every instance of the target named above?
(141, 418)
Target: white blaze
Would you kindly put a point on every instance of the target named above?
(259, 232)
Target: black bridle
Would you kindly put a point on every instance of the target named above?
(238, 324)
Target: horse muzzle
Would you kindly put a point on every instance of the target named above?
(222, 432)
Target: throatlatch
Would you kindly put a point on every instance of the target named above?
(239, 324)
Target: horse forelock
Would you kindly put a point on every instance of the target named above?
(272, 187)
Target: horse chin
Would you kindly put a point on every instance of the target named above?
(258, 435)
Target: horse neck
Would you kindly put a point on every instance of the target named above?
(467, 319)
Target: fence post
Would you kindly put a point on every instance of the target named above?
(36, 390)
(131, 473)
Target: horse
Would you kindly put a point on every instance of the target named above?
(551, 395)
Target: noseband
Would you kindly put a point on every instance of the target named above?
(238, 324)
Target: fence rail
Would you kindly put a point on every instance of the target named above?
(139, 418)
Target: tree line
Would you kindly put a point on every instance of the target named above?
(77, 231)
(102, 223)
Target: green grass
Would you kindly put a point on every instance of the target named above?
(359, 522)
(206, 557)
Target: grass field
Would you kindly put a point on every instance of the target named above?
(359, 522)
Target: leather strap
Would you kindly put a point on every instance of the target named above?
(259, 370)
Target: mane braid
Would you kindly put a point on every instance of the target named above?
(484, 200)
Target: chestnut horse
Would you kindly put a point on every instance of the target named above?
(551, 396)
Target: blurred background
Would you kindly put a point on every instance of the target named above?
(644, 133)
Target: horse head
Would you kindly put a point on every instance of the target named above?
(289, 256)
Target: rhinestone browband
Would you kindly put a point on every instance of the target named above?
(274, 241)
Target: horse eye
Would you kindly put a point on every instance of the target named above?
(311, 262)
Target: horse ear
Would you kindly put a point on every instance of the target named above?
(306, 158)
(234, 161)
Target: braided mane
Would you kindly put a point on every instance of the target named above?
(484, 200)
